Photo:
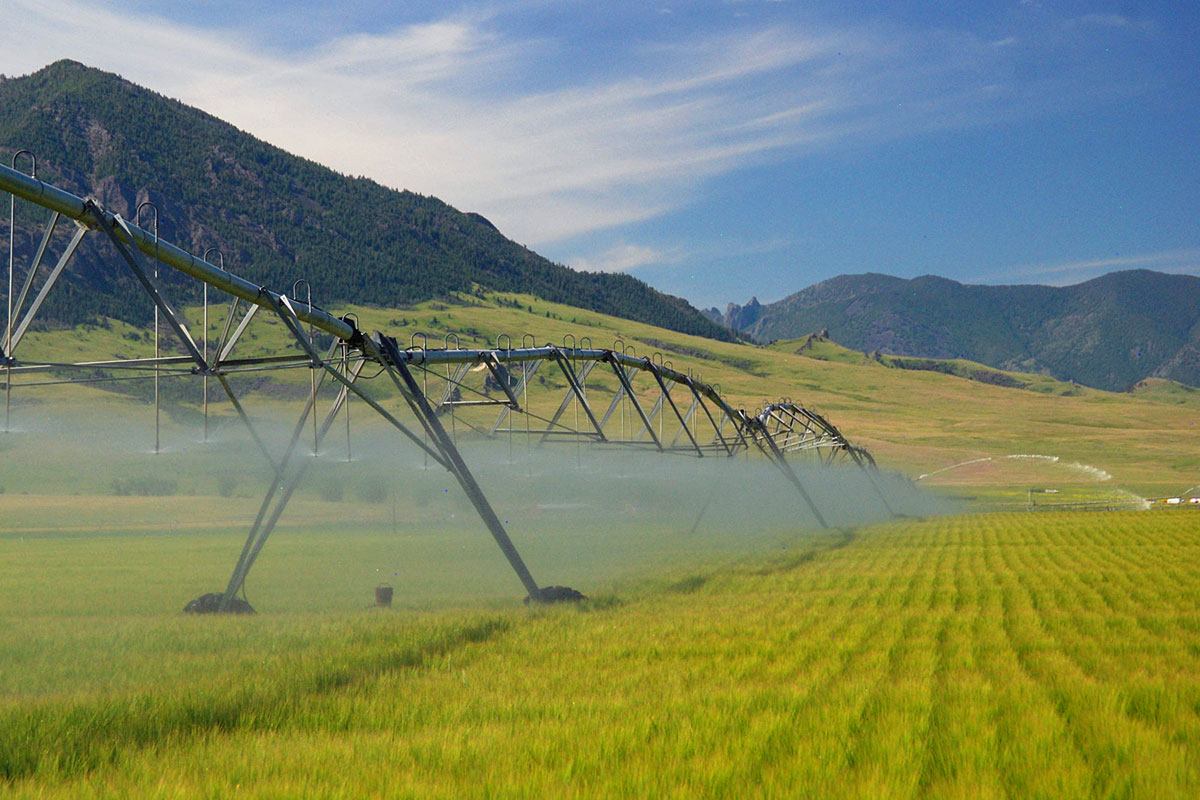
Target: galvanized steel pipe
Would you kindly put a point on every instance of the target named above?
(78, 209)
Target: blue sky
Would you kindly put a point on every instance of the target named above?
(716, 149)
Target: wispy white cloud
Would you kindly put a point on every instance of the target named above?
(627, 257)
(448, 106)
(1112, 21)
(1101, 20)
(677, 259)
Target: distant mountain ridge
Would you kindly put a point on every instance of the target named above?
(1110, 332)
(276, 218)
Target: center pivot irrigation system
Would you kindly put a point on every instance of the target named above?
(614, 397)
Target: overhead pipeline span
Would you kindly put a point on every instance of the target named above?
(776, 431)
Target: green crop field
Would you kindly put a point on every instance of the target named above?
(730, 648)
(1004, 655)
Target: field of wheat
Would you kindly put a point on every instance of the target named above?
(1009, 655)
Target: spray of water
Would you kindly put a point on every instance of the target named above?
(1094, 472)
(581, 515)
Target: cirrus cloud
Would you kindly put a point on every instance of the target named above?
(494, 119)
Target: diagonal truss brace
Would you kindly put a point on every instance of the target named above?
(575, 380)
(225, 346)
(683, 422)
(271, 508)
(575, 391)
(664, 388)
(34, 307)
(396, 368)
(292, 322)
(130, 257)
(772, 451)
(33, 269)
(502, 378)
(628, 389)
(180, 328)
(518, 391)
(687, 419)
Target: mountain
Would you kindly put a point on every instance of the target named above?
(1110, 332)
(737, 317)
(276, 218)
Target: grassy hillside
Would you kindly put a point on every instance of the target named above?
(1164, 391)
(914, 421)
(822, 348)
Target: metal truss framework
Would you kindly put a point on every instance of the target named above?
(607, 397)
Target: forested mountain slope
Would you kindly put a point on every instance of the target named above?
(1110, 332)
(275, 217)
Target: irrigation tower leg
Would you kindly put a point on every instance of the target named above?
(264, 524)
(871, 471)
(700, 515)
(404, 380)
(781, 463)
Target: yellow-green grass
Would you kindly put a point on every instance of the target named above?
(1164, 391)
(1014, 655)
(820, 348)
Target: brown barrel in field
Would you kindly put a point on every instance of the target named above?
(383, 595)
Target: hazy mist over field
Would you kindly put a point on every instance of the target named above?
(577, 512)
